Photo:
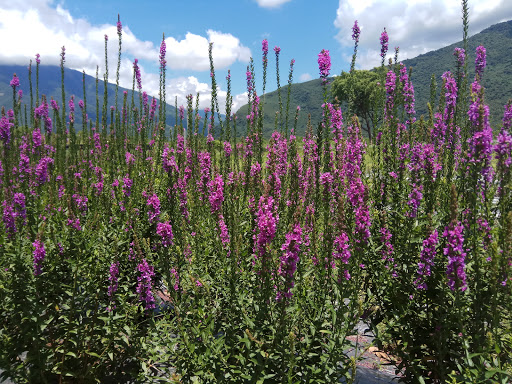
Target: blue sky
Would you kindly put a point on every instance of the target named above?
(302, 28)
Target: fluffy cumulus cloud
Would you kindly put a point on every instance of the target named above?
(192, 52)
(271, 3)
(32, 27)
(415, 26)
(35, 26)
(305, 77)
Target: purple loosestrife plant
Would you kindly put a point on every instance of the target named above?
(41, 112)
(356, 32)
(15, 82)
(114, 283)
(5, 130)
(39, 255)
(454, 250)
(161, 56)
(387, 250)
(480, 61)
(342, 251)
(154, 208)
(183, 195)
(145, 285)
(503, 146)
(9, 219)
(224, 234)
(384, 39)
(55, 104)
(324, 65)
(264, 49)
(408, 94)
(127, 186)
(164, 230)
(41, 173)
(136, 72)
(216, 193)
(20, 207)
(289, 260)
(80, 202)
(460, 55)
(428, 253)
(480, 144)
(390, 95)
(266, 221)
(205, 164)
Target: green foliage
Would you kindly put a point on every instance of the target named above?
(363, 93)
(199, 259)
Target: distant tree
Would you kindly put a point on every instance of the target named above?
(363, 91)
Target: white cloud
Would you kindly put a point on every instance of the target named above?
(416, 26)
(305, 77)
(238, 101)
(34, 26)
(271, 3)
(192, 52)
(39, 28)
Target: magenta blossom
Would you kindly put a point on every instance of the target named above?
(384, 39)
(154, 208)
(144, 287)
(289, 260)
(216, 189)
(39, 255)
(15, 82)
(454, 250)
(356, 31)
(324, 64)
(164, 230)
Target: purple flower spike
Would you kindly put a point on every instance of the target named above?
(164, 230)
(264, 46)
(136, 70)
(455, 271)
(480, 61)
(426, 262)
(384, 39)
(289, 260)
(216, 189)
(324, 64)
(15, 82)
(266, 220)
(39, 255)
(113, 278)
(162, 54)
(119, 26)
(144, 288)
(356, 31)
(154, 208)
(5, 130)
(460, 54)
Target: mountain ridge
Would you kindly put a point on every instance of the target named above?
(497, 80)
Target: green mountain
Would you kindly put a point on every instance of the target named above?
(497, 40)
(308, 96)
(497, 79)
(50, 85)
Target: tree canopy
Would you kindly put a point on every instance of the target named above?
(363, 91)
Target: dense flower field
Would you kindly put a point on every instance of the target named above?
(234, 258)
